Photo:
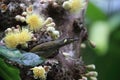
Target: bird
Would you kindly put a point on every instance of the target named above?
(48, 49)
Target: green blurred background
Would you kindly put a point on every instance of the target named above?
(103, 24)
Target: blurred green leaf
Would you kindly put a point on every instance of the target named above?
(99, 33)
(114, 21)
(7, 72)
(94, 13)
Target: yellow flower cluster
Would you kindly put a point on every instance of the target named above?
(39, 72)
(34, 21)
(73, 5)
(10, 40)
(14, 38)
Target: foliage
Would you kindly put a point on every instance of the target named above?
(8, 72)
(27, 59)
(105, 32)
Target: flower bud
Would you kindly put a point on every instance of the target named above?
(50, 29)
(17, 17)
(55, 4)
(34, 39)
(66, 54)
(92, 66)
(22, 5)
(51, 24)
(48, 21)
(92, 44)
(22, 19)
(83, 78)
(8, 30)
(83, 45)
(92, 74)
(66, 5)
(56, 33)
(93, 78)
(24, 13)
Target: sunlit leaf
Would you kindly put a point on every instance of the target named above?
(99, 33)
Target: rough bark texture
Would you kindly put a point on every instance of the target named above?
(71, 68)
(70, 26)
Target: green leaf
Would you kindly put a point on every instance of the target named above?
(99, 33)
(9, 53)
(114, 21)
(7, 72)
(26, 58)
(29, 59)
(94, 13)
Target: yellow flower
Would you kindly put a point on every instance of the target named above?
(12, 39)
(34, 21)
(24, 36)
(74, 5)
(39, 72)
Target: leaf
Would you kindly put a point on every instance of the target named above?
(7, 72)
(26, 58)
(29, 59)
(94, 13)
(114, 21)
(99, 33)
(9, 53)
